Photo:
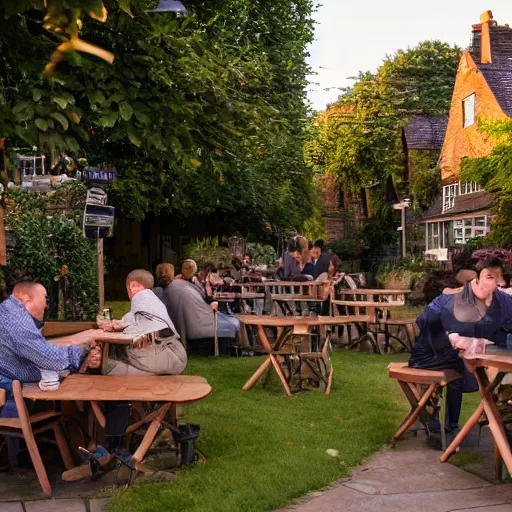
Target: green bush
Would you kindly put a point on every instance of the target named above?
(51, 249)
(404, 273)
(262, 254)
(206, 251)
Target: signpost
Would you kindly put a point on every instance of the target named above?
(98, 223)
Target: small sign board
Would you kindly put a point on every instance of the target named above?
(96, 196)
(100, 175)
(98, 221)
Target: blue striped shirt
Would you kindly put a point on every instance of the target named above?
(24, 351)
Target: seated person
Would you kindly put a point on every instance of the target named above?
(193, 317)
(304, 266)
(157, 349)
(321, 259)
(478, 311)
(164, 276)
(26, 353)
(189, 271)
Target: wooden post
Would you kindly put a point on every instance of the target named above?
(3, 183)
(404, 237)
(101, 274)
(3, 249)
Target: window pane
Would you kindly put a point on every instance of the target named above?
(436, 229)
(468, 222)
(457, 233)
(467, 233)
(480, 231)
(480, 221)
(457, 223)
(469, 110)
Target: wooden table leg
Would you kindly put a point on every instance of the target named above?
(464, 431)
(63, 447)
(151, 433)
(257, 374)
(495, 421)
(413, 415)
(279, 372)
(30, 441)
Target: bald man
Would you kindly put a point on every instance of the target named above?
(24, 351)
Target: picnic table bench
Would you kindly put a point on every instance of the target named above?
(164, 390)
(282, 354)
(375, 303)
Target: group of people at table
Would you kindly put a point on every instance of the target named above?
(162, 318)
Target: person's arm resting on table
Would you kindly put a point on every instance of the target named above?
(33, 346)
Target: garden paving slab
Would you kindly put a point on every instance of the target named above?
(55, 505)
(13, 506)
(98, 505)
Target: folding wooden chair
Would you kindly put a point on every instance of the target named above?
(413, 382)
(28, 426)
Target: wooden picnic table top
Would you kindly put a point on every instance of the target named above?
(284, 283)
(157, 388)
(308, 321)
(93, 335)
(369, 291)
(501, 360)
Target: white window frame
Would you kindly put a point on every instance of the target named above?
(474, 229)
(469, 110)
(460, 188)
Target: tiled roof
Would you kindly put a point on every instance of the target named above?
(498, 74)
(499, 80)
(466, 203)
(425, 132)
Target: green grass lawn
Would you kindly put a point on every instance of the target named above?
(265, 448)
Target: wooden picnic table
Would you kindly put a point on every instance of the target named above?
(489, 370)
(375, 304)
(287, 328)
(164, 390)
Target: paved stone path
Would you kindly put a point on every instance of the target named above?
(409, 478)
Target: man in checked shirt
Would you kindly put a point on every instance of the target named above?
(24, 351)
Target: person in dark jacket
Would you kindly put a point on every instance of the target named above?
(480, 310)
(321, 259)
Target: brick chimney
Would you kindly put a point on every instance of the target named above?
(485, 44)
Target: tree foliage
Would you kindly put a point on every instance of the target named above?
(201, 116)
(358, 139)
(492, 172)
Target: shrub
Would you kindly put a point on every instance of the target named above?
(262, 254)
(206, 251)
(51, 249)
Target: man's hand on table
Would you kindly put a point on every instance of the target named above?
(92, 359)
(471, 347)
(110, 325)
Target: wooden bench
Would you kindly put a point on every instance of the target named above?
(164, 390)
(413, 382)
(28, 426)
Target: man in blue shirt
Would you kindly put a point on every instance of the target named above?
(24, 351)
